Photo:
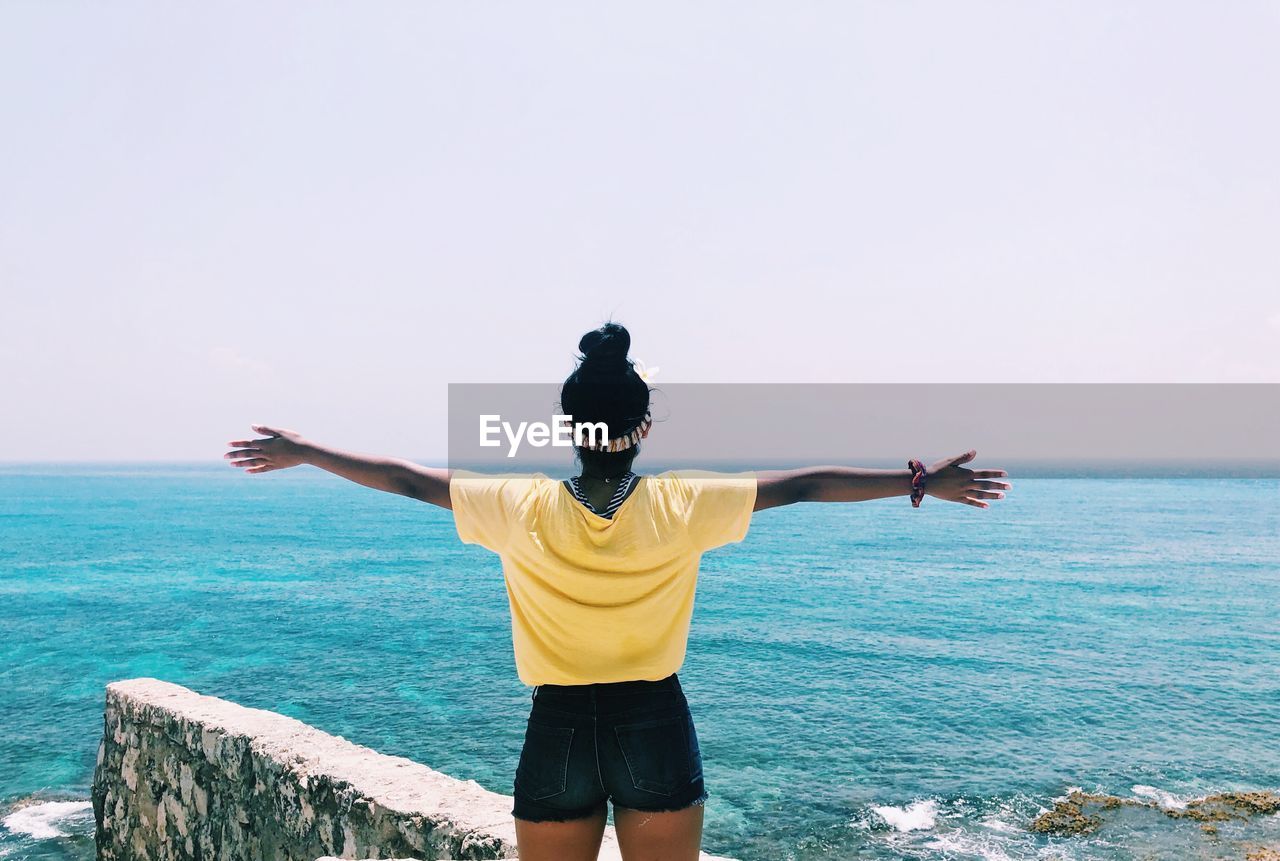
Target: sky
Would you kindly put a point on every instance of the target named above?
(318, 215)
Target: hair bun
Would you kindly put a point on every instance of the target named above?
(606, 347)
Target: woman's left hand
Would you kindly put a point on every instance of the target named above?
(948, 480)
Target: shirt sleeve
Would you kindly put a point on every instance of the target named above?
(717, 506)
(486, 506)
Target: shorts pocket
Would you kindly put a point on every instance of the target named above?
(657, 752)
(544, 763)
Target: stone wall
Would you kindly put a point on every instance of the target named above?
(186, 777)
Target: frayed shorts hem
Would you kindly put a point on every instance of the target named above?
(700, 800)
(558, 815)
(570, 815)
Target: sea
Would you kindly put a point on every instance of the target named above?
(868, 681)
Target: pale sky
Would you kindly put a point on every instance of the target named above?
(317, 215)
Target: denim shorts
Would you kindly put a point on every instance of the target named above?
(630, 742)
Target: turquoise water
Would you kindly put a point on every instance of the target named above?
(868, 681)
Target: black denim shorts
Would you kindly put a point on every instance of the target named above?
(630, 742)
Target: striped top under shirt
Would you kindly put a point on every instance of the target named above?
(624, 487)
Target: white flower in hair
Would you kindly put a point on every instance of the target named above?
(645, 373)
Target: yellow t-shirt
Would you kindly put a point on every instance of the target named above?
(597, 599)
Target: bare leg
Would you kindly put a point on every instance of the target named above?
(672, 836)
(574, 840)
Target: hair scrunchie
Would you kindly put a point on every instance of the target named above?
(918, 478)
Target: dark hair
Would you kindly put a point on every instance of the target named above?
(605, 387)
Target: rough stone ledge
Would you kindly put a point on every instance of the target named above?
(182, 776)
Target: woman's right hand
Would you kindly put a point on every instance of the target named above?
(948, 480)
(280, 450)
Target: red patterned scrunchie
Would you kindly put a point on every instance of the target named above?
(918, 478)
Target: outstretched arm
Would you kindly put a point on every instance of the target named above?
(947, 479)
(285, 448)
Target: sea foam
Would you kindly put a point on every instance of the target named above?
(42, 819)
(967, 846)
(1166, 800)
(914, 817)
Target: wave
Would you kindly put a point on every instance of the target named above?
(961, 829)
(919, 816)
(1147, 821)
(968, 846)
(1163, 799)
(44, 820)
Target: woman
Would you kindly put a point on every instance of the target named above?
(600, 573)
